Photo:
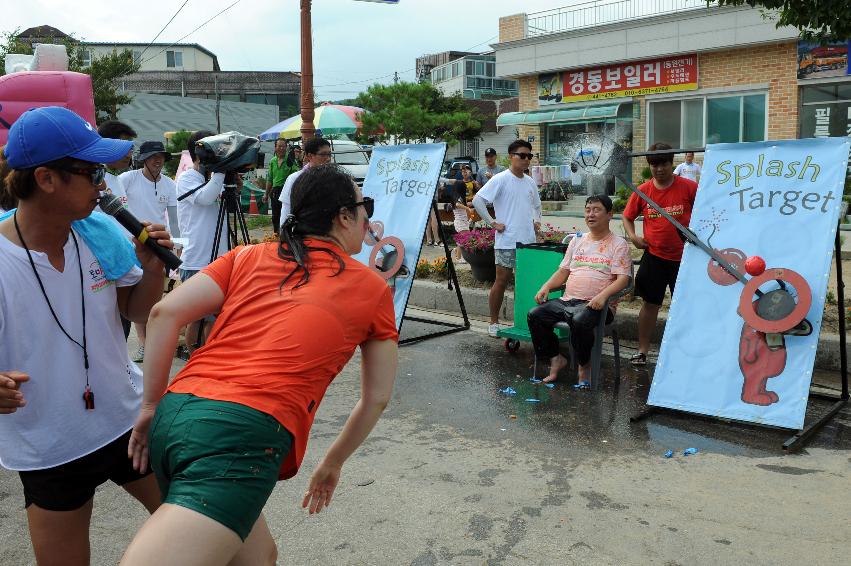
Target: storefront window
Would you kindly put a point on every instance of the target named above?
(753, 118)
(723, 119)
(826, 110)
(693, 123)
(597, 149)
(680, 123)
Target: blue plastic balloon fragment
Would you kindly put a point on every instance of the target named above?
(508, 391)
(689, 451)
(669, 454)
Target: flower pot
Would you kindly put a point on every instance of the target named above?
(481, 264)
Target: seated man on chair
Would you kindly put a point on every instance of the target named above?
(596, 266)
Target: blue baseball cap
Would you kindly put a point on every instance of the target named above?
(45, 134)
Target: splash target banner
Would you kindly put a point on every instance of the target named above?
(745, 350)
(402, 180)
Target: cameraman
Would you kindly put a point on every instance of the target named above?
(198, 214)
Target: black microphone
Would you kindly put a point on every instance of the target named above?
(110, 204)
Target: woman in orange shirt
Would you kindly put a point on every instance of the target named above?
(237, 417)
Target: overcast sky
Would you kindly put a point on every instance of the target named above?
(355, 43)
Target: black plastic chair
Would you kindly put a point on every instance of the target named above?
(602, 331)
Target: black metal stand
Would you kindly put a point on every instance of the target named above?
(798, 441)
(452, 327)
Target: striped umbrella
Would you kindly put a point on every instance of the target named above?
(330, 118)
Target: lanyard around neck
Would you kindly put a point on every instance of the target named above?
(83, 345)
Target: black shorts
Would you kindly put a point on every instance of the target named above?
(654, 275)
(69, 486)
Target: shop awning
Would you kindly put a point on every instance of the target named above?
(586, 113)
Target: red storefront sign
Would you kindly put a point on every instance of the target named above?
(668, 74)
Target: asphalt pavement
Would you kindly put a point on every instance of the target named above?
(457, 472)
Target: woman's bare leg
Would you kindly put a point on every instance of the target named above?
(177, 536)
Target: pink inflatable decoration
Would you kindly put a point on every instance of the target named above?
(31, 89)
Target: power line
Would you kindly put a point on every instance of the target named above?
(482, 43)
(182, 38)
(193, 31)
(365, 80)
(163, 28)
(127, 69)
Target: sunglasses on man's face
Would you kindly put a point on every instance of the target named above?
(96, 172)
(524, 155)
(368, 205)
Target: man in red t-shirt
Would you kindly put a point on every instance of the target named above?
(662, 243)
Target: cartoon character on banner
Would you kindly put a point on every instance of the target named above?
(768, 316)
(387, 258)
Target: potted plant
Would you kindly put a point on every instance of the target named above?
(549, 234)
(477, 250)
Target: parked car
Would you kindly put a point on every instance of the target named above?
(352, 157)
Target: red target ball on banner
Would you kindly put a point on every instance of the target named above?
(755, 265)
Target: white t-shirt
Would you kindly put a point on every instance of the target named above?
(148, 200)
(197, 215)
(116, 188)
(517, 205)
(286, 192)
(688, 171)
(54, 427)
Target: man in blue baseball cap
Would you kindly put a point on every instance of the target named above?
(68, 391)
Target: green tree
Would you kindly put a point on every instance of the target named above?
(817, 20)
(415, 112)
(105, 70)
(175, 145)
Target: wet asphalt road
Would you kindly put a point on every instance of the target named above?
(448, 477)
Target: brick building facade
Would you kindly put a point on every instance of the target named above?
(744, 85)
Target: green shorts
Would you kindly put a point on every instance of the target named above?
(218, 458)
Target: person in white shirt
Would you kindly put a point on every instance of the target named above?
(198, 215)
(115, 130)
(68, 392)
(152, 197)
(689, 169)
(317, 151)
(517, 205)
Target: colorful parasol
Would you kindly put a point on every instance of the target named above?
(330, 118)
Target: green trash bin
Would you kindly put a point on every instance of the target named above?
(535, 264)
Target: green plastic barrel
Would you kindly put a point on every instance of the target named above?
(536, 263)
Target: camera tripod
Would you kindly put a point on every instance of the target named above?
(230, 217)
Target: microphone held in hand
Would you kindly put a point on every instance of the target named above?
(110, 204)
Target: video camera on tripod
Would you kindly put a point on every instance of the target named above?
(230, 153)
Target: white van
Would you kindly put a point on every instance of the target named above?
(352, 157)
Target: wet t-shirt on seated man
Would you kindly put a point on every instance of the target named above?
(593, 265)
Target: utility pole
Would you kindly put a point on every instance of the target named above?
(308, 130)
(395, 77)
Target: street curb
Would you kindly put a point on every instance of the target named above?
(436, 296)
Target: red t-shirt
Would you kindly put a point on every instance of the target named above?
(277, 350)
(677, 200)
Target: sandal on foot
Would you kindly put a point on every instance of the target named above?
(582, 385)
(638, 359)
